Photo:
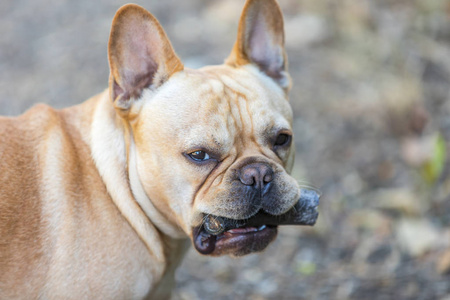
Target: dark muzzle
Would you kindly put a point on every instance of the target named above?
(304, 212)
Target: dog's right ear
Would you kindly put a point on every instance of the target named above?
(140, 55)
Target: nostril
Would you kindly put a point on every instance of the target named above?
(266, 174)
(268, 177)
(249, 176)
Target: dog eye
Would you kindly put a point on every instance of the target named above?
(199, 155)
(283, 139)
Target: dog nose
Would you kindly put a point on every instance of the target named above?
(257, 175)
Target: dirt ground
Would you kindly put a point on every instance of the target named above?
(371, 98)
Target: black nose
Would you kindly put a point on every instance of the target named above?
(257, 175)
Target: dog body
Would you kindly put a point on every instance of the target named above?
(61, 235)
(99, 200)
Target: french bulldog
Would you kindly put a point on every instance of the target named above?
(101, 200)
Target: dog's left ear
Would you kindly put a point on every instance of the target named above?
(260, 41)
(140, 55)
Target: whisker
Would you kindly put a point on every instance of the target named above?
(305, 185)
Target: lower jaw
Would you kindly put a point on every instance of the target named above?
(240, 242)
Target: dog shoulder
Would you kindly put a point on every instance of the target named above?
(20, 202)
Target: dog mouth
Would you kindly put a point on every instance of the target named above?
(218, 235)
(237, 241)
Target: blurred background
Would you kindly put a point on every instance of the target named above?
(371, 97)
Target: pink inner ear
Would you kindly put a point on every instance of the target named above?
(263, 48)
(140, 58)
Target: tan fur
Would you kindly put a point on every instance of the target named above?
(97, 200)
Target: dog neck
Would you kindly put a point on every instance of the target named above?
(109, 152)
(159, 220)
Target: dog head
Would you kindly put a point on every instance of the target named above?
(214, 141)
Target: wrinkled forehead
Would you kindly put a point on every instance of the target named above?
(230, 101)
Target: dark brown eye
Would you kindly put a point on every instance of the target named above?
(199, 155)
(283, 139)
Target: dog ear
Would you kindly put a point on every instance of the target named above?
(260, 41)
(140, 55)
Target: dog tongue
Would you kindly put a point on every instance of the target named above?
(204, 242)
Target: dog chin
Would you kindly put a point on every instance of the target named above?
(235, 242)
